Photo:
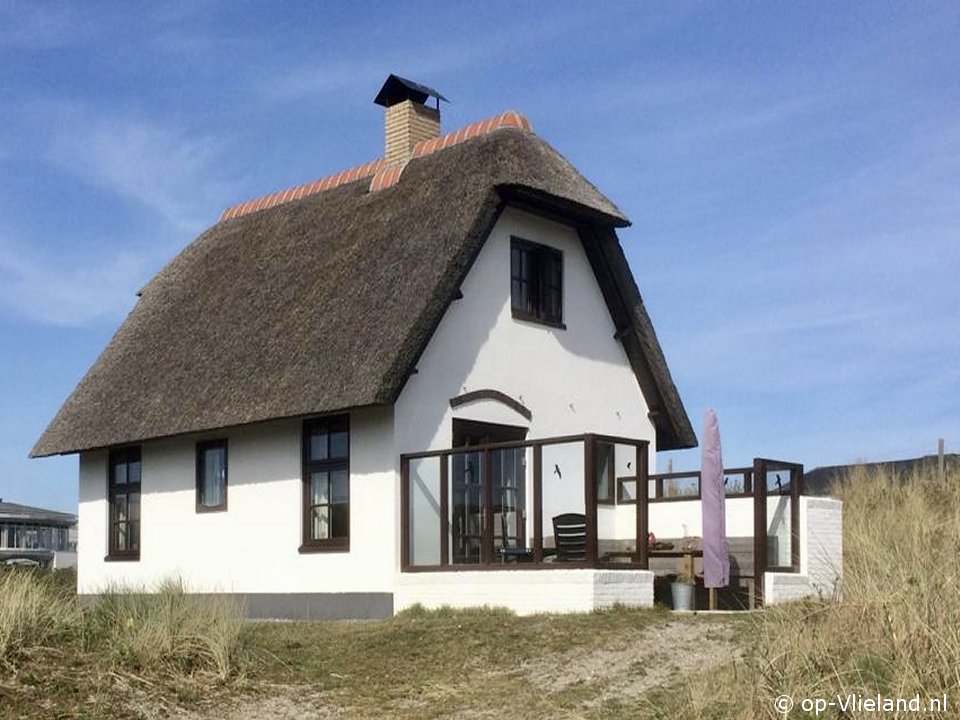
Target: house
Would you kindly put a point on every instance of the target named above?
(346, 390)
(34, 536)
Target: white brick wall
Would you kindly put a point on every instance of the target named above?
(821, 555)
(526, 592)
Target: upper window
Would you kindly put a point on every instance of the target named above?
(124, 503)
(536, 282)
(326, 483)
(212, 476)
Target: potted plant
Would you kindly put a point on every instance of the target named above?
(682, 589)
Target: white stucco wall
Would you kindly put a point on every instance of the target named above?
(252, 547)
(574, 380)
(679, 518)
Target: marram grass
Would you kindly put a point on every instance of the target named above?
(896, 631)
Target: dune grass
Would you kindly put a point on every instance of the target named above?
(35, 610)
(162, 630)
(896, 631)
(167, 630)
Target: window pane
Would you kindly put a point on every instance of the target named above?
(133, 506)
(604, 471)
(318, 445)
(320, 525)
(120, 508)
(339, 444)
(341, 520)
(120, 536)
(119, 472)
(133, 469)
(339, 484)
(319, 488)
(515, 289)
(134, 531)
(214, 469)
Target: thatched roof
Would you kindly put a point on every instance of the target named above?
(326, 302)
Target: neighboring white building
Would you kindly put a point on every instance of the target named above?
(35, 536)
(275, 417)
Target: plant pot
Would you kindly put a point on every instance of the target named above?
(683, 595)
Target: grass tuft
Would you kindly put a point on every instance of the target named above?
(35, 610)
(896, 631)
(168, 630)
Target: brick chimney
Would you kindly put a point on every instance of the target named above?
(408, 119)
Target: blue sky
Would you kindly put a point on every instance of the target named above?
(792, 171)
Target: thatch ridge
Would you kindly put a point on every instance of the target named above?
(315, 305)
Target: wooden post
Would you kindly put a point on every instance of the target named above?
(796, 478)
(643, 504)
(759, 529)
(444, 511)
(590, 497)
(486, 543)
(404, 513)
(538, 503)
(941, 460)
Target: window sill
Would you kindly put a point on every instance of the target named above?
(131, 557)
(334, 547)
(201, 509)
(526, 317)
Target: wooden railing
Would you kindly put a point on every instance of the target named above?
(466, 480)
(492, 533)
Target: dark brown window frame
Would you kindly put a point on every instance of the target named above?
(329, 422)
(113, 489)
(539, 313)
(611, 475)
(201, 448)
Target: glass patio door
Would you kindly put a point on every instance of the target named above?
(467, 496)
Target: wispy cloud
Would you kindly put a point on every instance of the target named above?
(435, 57)
(163, 182)
(32, 26)
(59, 292)
(176, 174)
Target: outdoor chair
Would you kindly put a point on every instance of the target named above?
(570, 537)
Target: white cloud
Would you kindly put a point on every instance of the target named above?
(33, 26)
(171, 172)
(60, 291)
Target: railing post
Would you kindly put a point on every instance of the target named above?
(590, 497)
(538, 503)
(444, 511)
(404, 513)
(486, 544)
(759, 528)
(796, 477)
(643, 506)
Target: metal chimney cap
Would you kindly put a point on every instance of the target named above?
(397, 89)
